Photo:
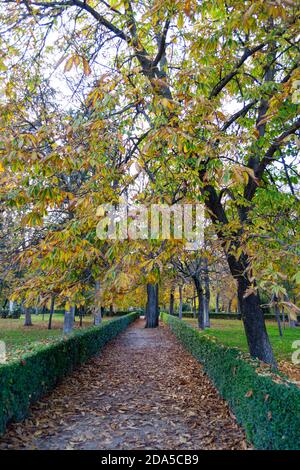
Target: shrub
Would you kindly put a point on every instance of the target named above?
(24, 381)
(229, 316)
(266, 404)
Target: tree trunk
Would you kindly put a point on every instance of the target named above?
(152, 310)
(69, 320)
(80, 315)
(217, 302)
(283, 317)
(194, 305)
(206, 294)
(239, 313)
(98, 308)
(277, 314)
(199, 291)
(27, 321)
(11, 307)
(111, 310)
(180, 302)
(254, 323)
(229, 305)
(51, 312)
(98, 316)
(171, 309)
(252, 314)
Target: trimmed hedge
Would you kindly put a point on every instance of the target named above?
(266, 404)
(122, 312)
(24, 381)
(229, 316)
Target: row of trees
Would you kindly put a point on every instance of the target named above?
(153, 101)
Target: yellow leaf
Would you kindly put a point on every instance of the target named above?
(86, 67)
(69, 64)
(1, 167)
(77, 60)
(180, 21)
(100, 211)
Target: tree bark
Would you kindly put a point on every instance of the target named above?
(152, 310)
(27, 321)
(217, 302)
(239, 313)
(194, 305)
(277, 314)
(80, 315)
(283, 317)
(11, 307)
(252, 314)
(111, 310)
(171, 309)
(69, 320)
(254, 323)
(98, 308)
(180, 302)
(199, 291)
(51, 312)
(206, 294)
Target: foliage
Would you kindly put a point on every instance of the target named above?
(171, 101)
(24, 381)
(266, 404)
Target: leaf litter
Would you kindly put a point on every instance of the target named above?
(143, 391)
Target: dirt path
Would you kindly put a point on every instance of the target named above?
(144, 391)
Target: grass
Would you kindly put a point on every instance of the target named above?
(231, 333)
(20, 339)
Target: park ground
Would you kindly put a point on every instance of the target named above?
(143, 391)
(231, 333)
(20, 339)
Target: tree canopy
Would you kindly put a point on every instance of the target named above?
(164, 101)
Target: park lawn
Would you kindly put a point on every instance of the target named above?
(20, 339)
(231, 333)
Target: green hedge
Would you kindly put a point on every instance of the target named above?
(267, 405)
(229, 316)
(24, 381)
(122, 312)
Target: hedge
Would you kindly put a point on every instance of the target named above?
(266, 404)
(229, 316)
(24, 381)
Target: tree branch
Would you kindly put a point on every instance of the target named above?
(241, 113)
(269, 155)
(248, 53)
(162, 46)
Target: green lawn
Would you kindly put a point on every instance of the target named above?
(231, 333)
(20, 339)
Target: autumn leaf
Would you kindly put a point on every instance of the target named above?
(69, 64)
(86, 67)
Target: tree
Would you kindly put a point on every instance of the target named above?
(175, 67)
(152, 310)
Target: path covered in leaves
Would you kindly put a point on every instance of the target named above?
(144, 391)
